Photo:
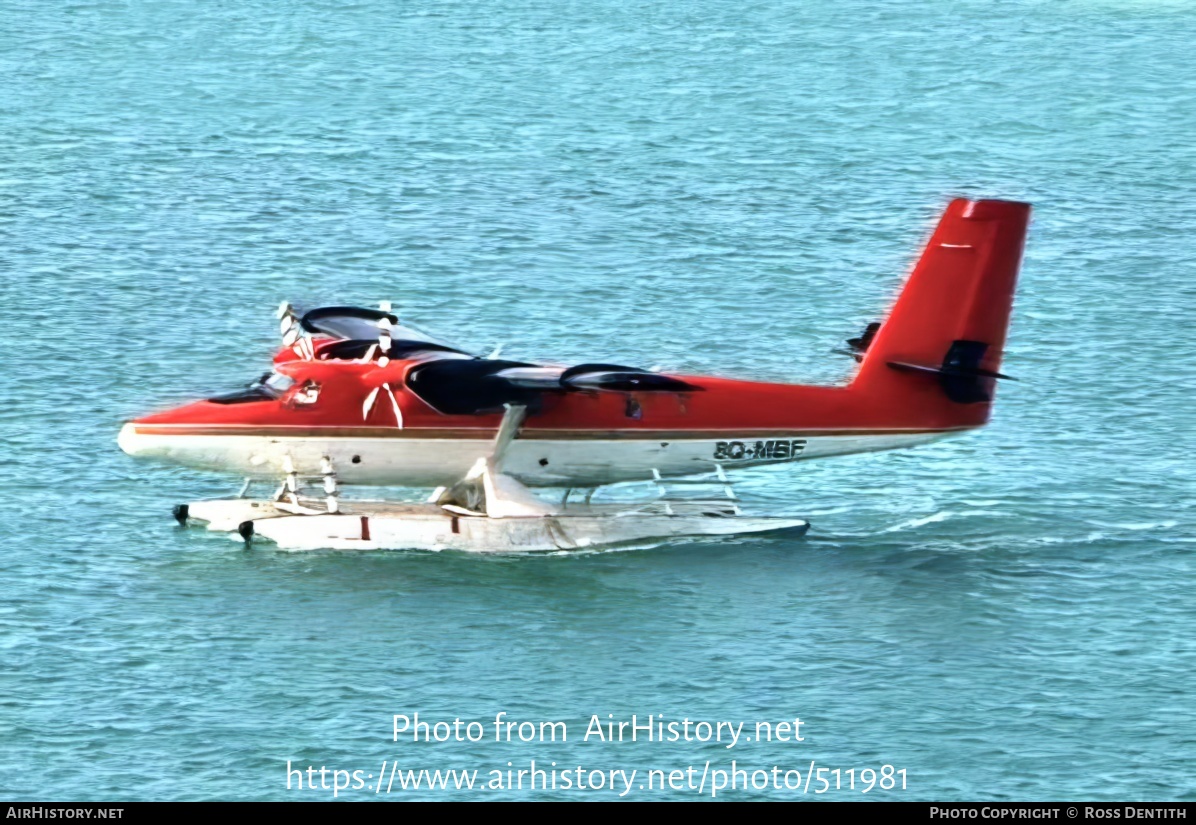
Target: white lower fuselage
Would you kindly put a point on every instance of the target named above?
(409, 459)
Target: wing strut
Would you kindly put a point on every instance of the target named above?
(485, 490)
(512, 420)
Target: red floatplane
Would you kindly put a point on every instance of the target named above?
(357, 398)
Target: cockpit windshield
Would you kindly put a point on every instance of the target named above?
(269, 387)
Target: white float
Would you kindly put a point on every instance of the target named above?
(485, 512)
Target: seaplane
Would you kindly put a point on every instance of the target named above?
(356, 397)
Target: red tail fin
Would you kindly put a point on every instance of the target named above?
(949, 322)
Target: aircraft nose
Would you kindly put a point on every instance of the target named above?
(128, 440)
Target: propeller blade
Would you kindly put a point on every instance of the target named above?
(394, 405)
(369, 403)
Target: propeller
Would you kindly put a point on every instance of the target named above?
(368, 405)
(290, 327)
(382, 380)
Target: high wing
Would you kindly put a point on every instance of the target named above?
(355, 330)
(479, 386)
(450, 379)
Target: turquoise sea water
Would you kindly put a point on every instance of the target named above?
(713, 187)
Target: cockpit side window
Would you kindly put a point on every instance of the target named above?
(277, 383)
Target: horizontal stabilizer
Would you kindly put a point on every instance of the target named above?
(960, 374)
(856, 347)
(962, 371)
